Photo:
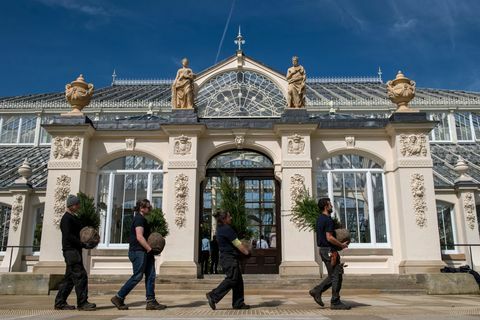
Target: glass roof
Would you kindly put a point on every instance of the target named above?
(240, 94)
(239, 159)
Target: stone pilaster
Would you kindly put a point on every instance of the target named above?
(66, 175)
(296, 175)
(181, 201)
(413, 206)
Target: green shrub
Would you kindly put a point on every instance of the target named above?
(305, 212)
(87, 213)
(157, 222)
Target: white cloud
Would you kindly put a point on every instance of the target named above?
(78, 6)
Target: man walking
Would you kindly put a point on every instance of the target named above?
(328, 245)
(205, 254)
(230, 248)
(75, 273)
(214, 255)
(143, 261)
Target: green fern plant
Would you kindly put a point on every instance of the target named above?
(305, 212)
(157, 222)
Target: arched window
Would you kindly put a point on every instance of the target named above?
(121, 183)
(4, 225)
(446, 226)
(355, 184)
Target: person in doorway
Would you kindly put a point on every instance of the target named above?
(214, 255)
(262, 244)
(75, 273)
(205, 254)
(329, 246)
(143, 261)
(230, 249)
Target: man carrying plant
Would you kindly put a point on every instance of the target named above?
(329, 246)
(75, 273)
(143, 261)
(230, 249)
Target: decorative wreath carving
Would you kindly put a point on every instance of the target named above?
(417, 184)
(181, 199)
(66, 147)
(62, 190)
(17, 210)
(469, 206)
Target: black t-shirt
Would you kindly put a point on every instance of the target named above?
(70, 226)
(225, 236)
(138, 221)
(214, 247)
(324, 224)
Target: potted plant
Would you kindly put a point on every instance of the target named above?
(90, 219)
(159, 229)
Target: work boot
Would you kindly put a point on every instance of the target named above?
(211, 302)
(154, 305)
(242, 306)
(65, 306)
(339, 306)
(87, 306)
(317, 297)
(119, 303)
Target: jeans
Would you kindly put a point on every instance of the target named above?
(214, 265)
(205, 255)
(233, 280)
(142, 263)
(75, 276)
(334, 279)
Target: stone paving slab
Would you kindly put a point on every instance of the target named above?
(372, 306)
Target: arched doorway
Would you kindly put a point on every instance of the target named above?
(253, 173)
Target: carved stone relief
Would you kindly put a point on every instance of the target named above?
(181, 199)
(413, 145)
(350, 141)
(296, 144)
(66, 148)
(297, 188)
(239, 141)
(417, 185)
(183, 145)
(61, 192)
(130, 144)
(469, 206)
(17, 210)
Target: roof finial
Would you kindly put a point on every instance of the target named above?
(114, 77)
(239, 40)
(380, 74)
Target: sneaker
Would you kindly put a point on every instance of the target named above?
(211, 303)
(119, 303)
(242, 306)
(65, 306)
(316, 297)
(339, 306)
(154, 305)
(87, 306)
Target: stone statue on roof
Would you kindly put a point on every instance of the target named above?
(296, 78)
(182, 88)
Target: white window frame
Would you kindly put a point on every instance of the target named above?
(470, 123)
(34, 224)
(454, 226)
(19, 130)
(371, 214)
(105, 223)
(432, 134)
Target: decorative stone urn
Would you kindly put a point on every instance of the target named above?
(25, 172)
(401, 91)
(461, 167)
(78, 94)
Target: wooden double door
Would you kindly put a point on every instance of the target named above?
(262, 206)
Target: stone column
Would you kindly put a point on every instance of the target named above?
(298, 247)
(412, 205)
(181, 201)
(66, 175)
(21, 209)
(465, 189)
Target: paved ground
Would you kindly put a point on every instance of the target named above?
(280, 304)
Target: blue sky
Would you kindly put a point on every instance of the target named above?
(47, 43)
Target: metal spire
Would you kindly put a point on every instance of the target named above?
(114, 76)
(239, 40)
(380, 74)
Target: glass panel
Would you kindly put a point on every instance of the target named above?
(379, 208)
(239, 159)
(322, 185)
(133, 163)
(157, 190)
(10, 129)
(37, 227)
(116, 225)
(476, 125)
(45, 137)
(102, 201)
(462, 124)
(27, 133)
(445, 226)
(442, 131)
(348, 161)
(4, 226)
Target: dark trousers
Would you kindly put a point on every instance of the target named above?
(142, 263)
(214, 264)
(205, 255)
(334, 279)
(233, 281)
(75, 276)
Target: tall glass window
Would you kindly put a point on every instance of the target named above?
(442, 131)
(37, 227)
(121, 183)
(463, 126)
(18, 129)
(45, 137)
(446, 226)
(476, 125)
(355, 185)
(4, 225)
